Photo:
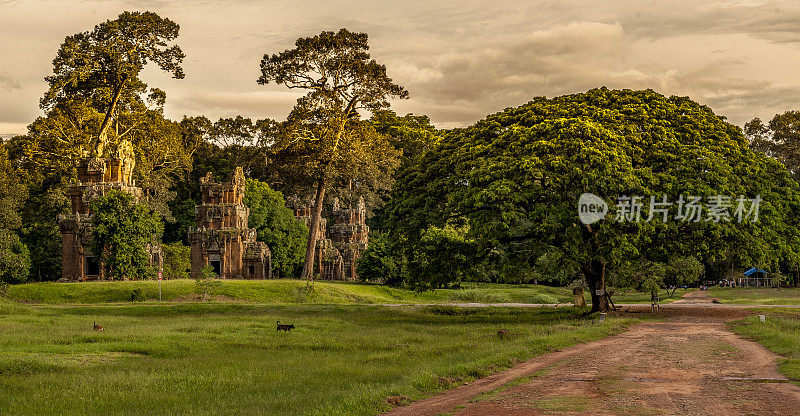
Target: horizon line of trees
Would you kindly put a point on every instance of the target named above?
(495, 201)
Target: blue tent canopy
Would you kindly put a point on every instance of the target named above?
(753, 271)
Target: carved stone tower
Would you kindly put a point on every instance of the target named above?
(328, 263)
(339, 243)
(350, 235)
(222, 239)
(96, 176)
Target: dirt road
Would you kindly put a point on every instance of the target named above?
(690, 364)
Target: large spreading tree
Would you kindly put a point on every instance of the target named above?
(324, 138)
(514, 180)
(101, 68)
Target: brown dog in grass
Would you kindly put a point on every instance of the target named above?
(285, 327)
(97, 327)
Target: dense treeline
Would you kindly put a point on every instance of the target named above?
(496, 201)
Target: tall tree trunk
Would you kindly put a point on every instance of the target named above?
(102, 137)
(311, 247)
(595, 273)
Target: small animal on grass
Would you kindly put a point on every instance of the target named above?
(284, 327)
(503, 333)
(97, 327)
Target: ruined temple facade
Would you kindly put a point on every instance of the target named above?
(96, 176)
(222, 238)
(341, 242)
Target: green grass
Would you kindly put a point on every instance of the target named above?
(283, 291)
(756, 296)
(288, 291)
(632, 296)
(780, 334)
(226, 358)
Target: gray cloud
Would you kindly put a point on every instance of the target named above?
(460, 60)
(7, 82)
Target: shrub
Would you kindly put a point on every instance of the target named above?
(177, 263)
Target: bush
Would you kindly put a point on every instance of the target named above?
(276, 225)
(136, 295)
(441, 257)
(14, 258)
(380, 263)
(207, 282)
(177, 261)
(121, 230)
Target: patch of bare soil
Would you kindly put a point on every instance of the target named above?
(690, 364)
(695, 297)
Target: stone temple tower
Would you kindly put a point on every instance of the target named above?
(340, 242)
(222, 239)
(96, 176)
(350, 235)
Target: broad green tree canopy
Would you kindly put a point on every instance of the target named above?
(515, 178)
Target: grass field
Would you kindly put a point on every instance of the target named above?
(286, 291)
(780, 333)
(226, 358)
(632, 296)
(756, 296)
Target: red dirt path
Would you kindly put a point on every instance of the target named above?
(690, 364)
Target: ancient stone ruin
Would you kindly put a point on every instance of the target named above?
(340, 244)
(96, 176)
(222, 239)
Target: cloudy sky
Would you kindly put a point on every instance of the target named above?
(460, 60)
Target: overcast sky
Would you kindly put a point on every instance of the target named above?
(460, 60)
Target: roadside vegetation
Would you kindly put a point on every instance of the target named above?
(780, 333)
(756, 295)
(212, 358)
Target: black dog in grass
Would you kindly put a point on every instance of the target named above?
(285, 328)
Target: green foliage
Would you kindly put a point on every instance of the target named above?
(779, 139)
(14, 255)
(14, 258)
(207, 282)
(554, 266)
(40, 230)
(383, 261)
(410, 133)
(121, 231)
(323, 141)
(177, 261)
(441, 257)
(13, 192)
(276, 226)
(683, 271)
(102, 67)
(649, 276)
(515, 178)
(183, 219)
(136, 295)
